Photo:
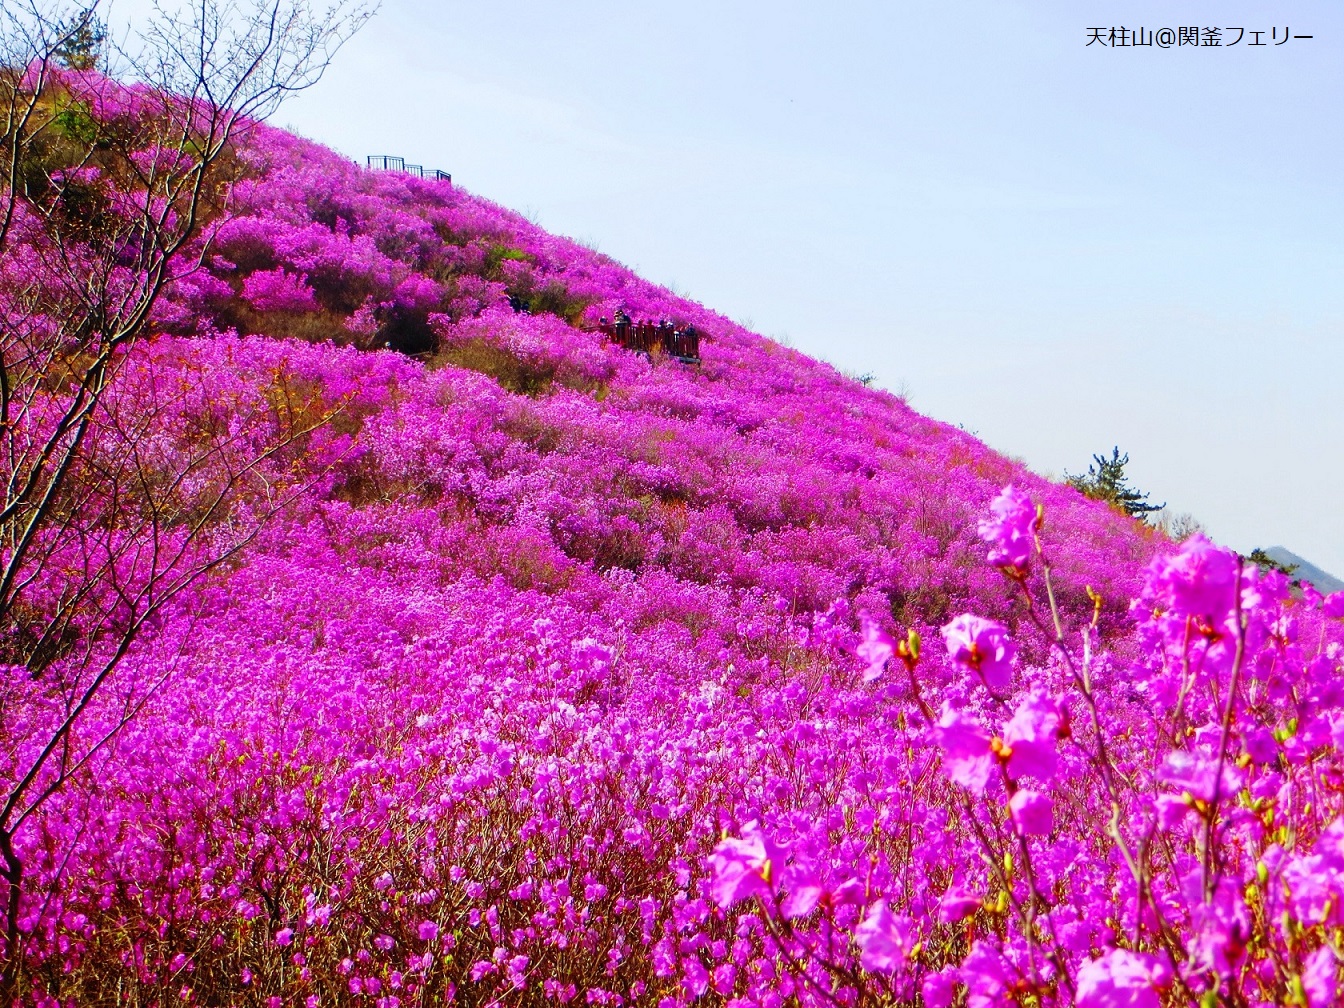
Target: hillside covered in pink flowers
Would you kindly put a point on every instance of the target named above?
(548, 672)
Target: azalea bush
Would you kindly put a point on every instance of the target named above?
(1162, 827)
(557, 674)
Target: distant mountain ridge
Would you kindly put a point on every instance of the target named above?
(1306, 571)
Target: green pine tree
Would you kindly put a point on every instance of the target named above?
(82, 39)
(1105, 480)
(1267, 563)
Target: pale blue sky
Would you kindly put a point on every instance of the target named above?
(1060, 248)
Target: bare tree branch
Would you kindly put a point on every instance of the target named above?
(111, 192)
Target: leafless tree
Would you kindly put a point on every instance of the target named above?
(110, 192)
(1178, 525)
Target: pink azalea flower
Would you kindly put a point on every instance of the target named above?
(1312, 887)
(695, 978)
(848, 892)
(939, 988)
(1260, 745)
(428, 930)
(1010, 533)
(957, 903)
(1330, 845)
(984, 647)
(1333, 605)
(482, 968)
(1197, 580)
(967, 757)
(1320, 978)
(724, 979)
(744, 867)
(875, 649)
(1198, 774)
(1033, 813)
(986, 976)
(1171, 812)
(804, 892)
(1122, 979)
(884, 938)
(1030, 736)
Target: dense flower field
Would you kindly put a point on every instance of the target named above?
(559, 674)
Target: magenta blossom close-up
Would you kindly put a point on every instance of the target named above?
(1199, 774)
(957, 903)
(1011, 530)
(984, 647)
(745, 866)
(1033, 813)
(1123, 979)
(1333, 605)
(1320, 979)
(1199, 580)
(1030, 737)
(875, 649)
(967, 757)
(885, 939)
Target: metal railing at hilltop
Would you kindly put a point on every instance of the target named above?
(385, 162)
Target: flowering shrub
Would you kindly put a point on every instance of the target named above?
(1162, 829)
(276, 290)
(565, 675)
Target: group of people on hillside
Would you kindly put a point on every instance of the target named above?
(644, 336)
